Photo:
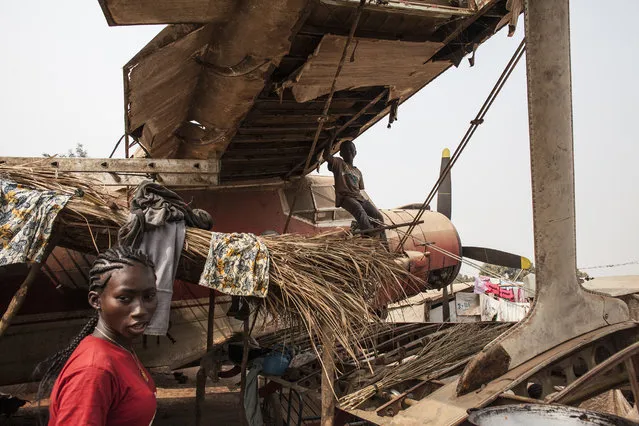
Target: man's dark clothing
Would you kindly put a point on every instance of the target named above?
(348, 183)
(361, 211)
(348, 180)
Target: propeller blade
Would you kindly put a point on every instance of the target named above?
(444, 194)
(496, 257)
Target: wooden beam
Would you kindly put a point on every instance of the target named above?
(170, 180)
(116, 165)
(328, 380)
(18, 298)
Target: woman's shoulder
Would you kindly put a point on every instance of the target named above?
(95, 354)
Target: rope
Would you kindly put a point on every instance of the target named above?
(454, 256)
(327, 105)
(474, 124)
(635, 262)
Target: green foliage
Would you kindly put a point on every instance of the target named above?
(78, 152)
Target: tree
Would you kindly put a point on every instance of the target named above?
(78, 152)
(503, 271)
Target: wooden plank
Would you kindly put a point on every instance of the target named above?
(181, 180)
(117, 165)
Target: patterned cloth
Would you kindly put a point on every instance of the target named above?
(237, 264)
(26, 221)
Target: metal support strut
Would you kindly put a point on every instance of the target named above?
(562, 309)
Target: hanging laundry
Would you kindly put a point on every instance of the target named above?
(26, 221)
(493, 289)
(156, 225)
(506, 293)
(154, 205)
(480, 284)
(237, 264)
(164, 246)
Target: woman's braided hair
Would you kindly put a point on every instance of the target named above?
(108, 261)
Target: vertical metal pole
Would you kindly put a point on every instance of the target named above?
(551, 144)
(125, 86)
(562, 309)
(200, 378)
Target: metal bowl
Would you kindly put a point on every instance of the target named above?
(547, 415)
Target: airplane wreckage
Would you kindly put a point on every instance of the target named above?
(231, 106)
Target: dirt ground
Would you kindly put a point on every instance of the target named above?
(176, 402)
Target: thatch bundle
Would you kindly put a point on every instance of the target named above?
(449, 348)
(323, 282)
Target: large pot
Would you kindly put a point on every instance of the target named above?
(547, 415)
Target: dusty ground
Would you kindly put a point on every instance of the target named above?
(176, 403)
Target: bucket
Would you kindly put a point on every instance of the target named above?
(276, 363)
(547, 415)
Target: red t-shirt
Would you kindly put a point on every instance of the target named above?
(101, 385)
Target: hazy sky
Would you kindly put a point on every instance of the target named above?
(61, 83)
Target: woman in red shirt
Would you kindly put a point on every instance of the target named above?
(99, 379)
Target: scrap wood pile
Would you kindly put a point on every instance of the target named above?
(325, 282)
(442, 352)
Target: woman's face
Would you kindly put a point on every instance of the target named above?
(128, 300)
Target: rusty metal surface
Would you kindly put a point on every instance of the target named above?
(444, 407)
(226, 84)
(140, 12)
(562, 308)
(402, 66)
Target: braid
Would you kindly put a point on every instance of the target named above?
(51, 367)
(108, 261)
(114, 259)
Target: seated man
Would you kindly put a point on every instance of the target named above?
(348, 183)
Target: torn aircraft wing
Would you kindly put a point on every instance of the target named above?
(246, 81)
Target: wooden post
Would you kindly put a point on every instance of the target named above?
(210, 325)
(426, 311)
(18, 298)
(245, 352)
(328, 379)
(445, 305)
(200, 378)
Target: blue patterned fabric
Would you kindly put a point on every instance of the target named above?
(237, 264)
(26, 221)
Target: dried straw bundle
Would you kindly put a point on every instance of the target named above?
(323, 282)
(91, 217)
(442, 350)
